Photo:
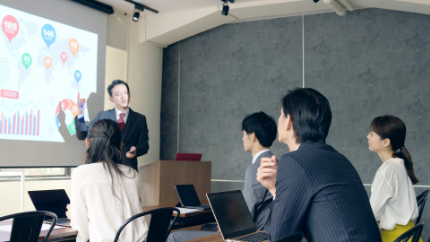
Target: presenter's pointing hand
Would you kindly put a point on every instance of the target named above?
(132, 153)
(81, 106)
(266, 174)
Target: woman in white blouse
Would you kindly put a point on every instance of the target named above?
(105, 193)
(393, 197)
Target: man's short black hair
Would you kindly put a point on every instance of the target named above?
(263, 126)
(115, 83)
(310, 114)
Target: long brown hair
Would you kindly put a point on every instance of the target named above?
(393, 128)
(105, 145)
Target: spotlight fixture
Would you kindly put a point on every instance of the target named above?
(225, 7)
(136, 16)
(315, 1)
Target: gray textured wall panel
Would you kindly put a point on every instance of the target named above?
(169, 103)
(370, 63)
(227, 73)
(226, 186)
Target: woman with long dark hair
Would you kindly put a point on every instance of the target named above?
(393, 198)
(105, 193)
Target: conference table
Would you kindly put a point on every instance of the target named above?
(69, 234)
(57, 235)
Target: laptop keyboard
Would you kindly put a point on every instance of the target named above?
(258, 237)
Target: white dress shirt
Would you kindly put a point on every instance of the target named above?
(118, 113)
(393, 198)
(97, 211)
(254, 158)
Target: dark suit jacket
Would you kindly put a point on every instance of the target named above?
(319, 192)
(135, 133)
(256, 195)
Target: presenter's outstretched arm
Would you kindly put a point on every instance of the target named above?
(81, 128)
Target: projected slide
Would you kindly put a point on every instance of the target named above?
(45, 66)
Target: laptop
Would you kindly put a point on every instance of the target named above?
(188, 157)
(188, 197)
(233, 217)
(53, 201)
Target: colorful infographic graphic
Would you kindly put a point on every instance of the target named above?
(44, 66)
(68, 106)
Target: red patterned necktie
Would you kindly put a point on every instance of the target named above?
(121, 121)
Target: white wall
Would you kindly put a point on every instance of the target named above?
(144, 78)
(11, 194)
(116, 68)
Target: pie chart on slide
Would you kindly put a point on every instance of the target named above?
(71, 109)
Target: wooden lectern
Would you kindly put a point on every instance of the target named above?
(159, 179)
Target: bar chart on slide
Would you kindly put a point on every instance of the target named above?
(27, 120)
(27, 123)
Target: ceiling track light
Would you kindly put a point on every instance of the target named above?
(225, 7)
(136, 16)
(96, 5)
(141, 7)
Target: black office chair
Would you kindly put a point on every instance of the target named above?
(415, 233)
(160, 225)
(421, 201)
(296, 237)
(26, 226)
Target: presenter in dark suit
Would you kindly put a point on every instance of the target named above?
(134, 130)
(316, 189)
(259, 132)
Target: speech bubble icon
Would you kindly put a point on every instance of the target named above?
(10, 26)
(48, 62)
(48, 34)
(26, 60)
(63, 57)
(73, 46)
(78, 76)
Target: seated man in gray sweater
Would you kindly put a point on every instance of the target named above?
(259, 132)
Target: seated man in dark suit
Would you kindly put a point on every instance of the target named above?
(316, 189)
(134, 130)
(259, 132)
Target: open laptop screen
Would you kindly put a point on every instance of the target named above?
(231, 213)
(188, 196)
(50, 200)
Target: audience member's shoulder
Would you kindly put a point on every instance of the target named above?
(395, 166)
(88, 167)
(128, 171)
(288, 157)
(85, 169)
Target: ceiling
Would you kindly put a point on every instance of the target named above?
(180, 19)
(171, 6)
(167, 6)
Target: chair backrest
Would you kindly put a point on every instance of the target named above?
(160, 225)
(26, 226)
(415, 232)
(296, 237)
(421, 201)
